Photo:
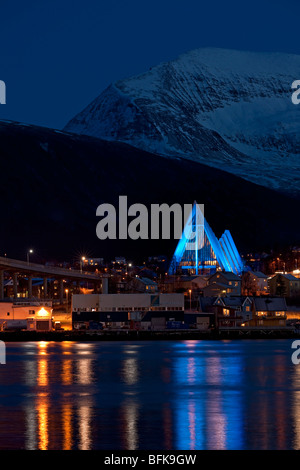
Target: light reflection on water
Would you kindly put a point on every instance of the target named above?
(151, 395)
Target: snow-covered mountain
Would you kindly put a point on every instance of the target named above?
(228, 109)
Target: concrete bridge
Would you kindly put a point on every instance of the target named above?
(16, 268)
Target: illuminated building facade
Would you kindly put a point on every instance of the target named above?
(26, 316)
(200, 252)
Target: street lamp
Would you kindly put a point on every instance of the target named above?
(81, 263)
(67, 294)
(29, 253)
(190, 292)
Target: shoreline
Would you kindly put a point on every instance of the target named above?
(134, 335)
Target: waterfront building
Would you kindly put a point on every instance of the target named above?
(269, 312)
(250, 311)
(17, 315)
(200, 321)
(124, 310)
(233, 311)
(245, 311)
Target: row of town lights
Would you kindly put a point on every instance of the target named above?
(30, 252)
(82, 260)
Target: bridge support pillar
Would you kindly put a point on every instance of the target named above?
(105, 285)
(15, 284)
(1, 284)
(45, 288)
(61, 291)
(30, 286)
(96, 287)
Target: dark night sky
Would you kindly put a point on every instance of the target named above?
(58, 55)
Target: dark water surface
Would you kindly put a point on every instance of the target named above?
(156, 395)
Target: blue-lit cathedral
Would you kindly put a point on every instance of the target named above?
(200, 252)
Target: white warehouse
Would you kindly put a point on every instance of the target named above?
(121, 309)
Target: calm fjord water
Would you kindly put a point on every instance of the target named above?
(184, 395)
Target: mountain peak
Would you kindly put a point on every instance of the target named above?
(228, 109)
